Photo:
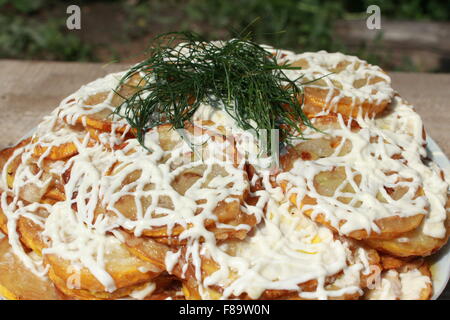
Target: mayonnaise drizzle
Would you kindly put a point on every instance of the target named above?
(385, 152)
(285, 249)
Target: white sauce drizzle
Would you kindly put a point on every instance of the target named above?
(284, 250)
(398, 133)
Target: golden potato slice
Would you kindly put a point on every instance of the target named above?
(331, 179)
(322, 147)
(83, 294)
(3, 222)
(316, 100)
(414, 243)
(191, 291)
(19, 283)
(161, 288)
(5, 156)
(390, 227)
(343, 84)
(30, 192)
(326, 182)
(60, 151)
(195, 290)
(427, 292)
(389, 262)
(189, 171)
(56, 192)
(125, 269)
(408, 281)
(99, 120)
(128, 89)
(31, 232)
(147, 249)
(63, 151)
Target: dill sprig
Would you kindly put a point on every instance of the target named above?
(183, 71)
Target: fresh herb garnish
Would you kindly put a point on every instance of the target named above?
(239, 74)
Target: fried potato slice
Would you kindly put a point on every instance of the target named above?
(343, 84)
(389, 227)
(409, 281)
(5, 156)
(190, 171)
(427, 292)
(60, 152)
(414, 243)
(99, 120)
(83, 294)
(50, 183)
(315, 101)
(56, 193)
(3, 222)
(347, 296)
(31, 232)
(191, 291)
(161, 288)
(147, 249)
(332, 180)
(19, 283)
(125, 269)
(274, 273)
(389, 262)
(319, 147)
(192, 287)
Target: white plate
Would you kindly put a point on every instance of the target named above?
(440, 267)
(441, 261)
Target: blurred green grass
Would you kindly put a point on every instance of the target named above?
(35, 29)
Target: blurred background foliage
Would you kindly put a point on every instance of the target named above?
(121, 30)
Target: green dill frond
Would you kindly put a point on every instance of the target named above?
(183, 71)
